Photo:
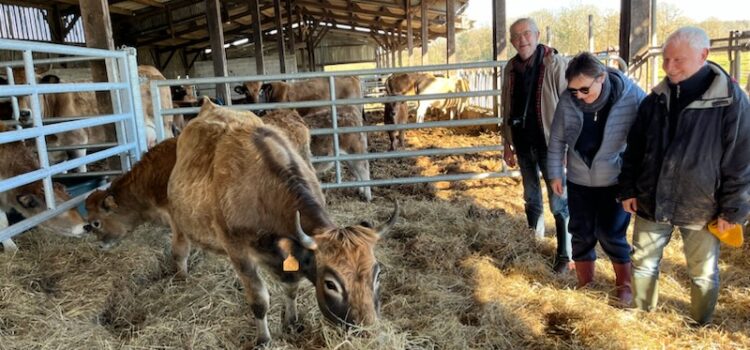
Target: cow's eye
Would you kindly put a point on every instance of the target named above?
(97, 224)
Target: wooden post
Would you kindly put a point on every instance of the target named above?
(409, 35)
(498, 47)
(260, 68)
(290, 29)
(425, 30)
(54, 19)
(218, 55)
(280, 47)
(97, 29)
(634, 27)
(450, 17)
(591, 33)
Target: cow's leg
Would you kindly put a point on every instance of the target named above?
(361, 168)
(78, 153)
(180, 251)
(255, 290)
(422, 110)
(291, 316)
(8, 245)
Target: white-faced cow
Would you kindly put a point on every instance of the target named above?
(28, 200)
(140, 195)
(411, 84)
(237, 187)
(349, 143)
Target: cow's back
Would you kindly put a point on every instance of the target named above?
(232, 172)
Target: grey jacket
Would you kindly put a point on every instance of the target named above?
(705, 171)
(566, 128)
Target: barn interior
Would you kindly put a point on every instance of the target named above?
(461, 270)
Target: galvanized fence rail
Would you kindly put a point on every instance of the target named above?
(126, 116)
(334, 130)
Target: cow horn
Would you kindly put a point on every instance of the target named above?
(306, 241)
(383, 229)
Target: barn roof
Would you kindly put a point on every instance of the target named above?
(173, 24)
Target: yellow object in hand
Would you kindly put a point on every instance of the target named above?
(731, 237)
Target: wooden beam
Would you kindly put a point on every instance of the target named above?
(290, 28)
(97, 29)
(151, 3)
(425, 31)
(260, 68)
(450, 18)
(54, 19)
(163, 66)
(218, 55)
(499, 31)
(280, 47)
(116, 10)
(409, 33)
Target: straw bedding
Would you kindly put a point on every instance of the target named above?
(461, 271)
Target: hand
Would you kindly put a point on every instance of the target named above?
(509, 156)
(557, 187)
(723, 225)
(630, 205)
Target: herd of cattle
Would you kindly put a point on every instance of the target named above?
(233, 183)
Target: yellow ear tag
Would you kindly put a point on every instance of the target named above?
(291, 264)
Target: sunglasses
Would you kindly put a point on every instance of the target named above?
(584, 90)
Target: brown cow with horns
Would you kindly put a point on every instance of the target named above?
(238, 187)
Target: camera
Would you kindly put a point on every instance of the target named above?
(517, 121)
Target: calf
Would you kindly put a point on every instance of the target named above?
(17, 159)
(396, 113)
(238, 187)
(349, 143)
(137, 197)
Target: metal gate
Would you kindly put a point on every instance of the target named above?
(366, 75)
(127, 118)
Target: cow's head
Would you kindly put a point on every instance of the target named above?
(178, 92)
(345, 271)
(29, 200)
(274, 92)
(24, 102)
(249, 89)
(106, 220)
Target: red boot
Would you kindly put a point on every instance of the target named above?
(622, 282)
(585, 272)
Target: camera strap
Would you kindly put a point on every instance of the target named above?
(534, 72)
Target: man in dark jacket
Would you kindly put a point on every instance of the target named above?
(687, 163)
(532, 84)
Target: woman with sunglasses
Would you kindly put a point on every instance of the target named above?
(591, 123)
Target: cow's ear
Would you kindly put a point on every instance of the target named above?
(28, 201)
(50, 79)
(109, 203)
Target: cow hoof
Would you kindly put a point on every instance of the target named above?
(260, 343)
(295, 326)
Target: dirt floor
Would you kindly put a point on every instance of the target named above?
(460, 271)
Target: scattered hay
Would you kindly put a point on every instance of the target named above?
(460, 271)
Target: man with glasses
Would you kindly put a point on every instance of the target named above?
(532, 83)
(687, 163)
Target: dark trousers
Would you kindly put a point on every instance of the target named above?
(596, 216)
(530, 161)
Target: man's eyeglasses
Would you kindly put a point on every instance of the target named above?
(584, 90)
(516, 36)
